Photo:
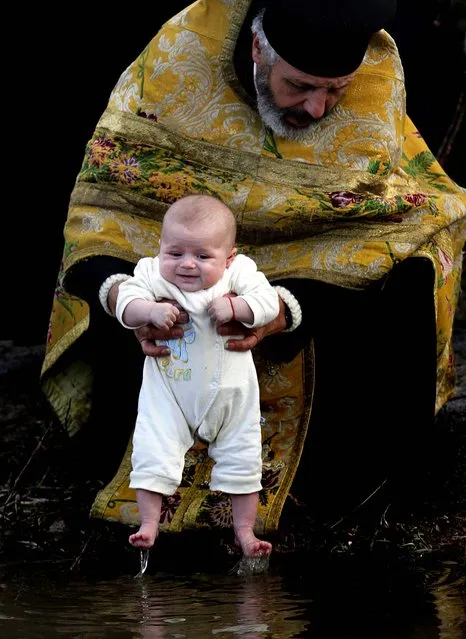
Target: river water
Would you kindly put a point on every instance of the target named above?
(338, 600)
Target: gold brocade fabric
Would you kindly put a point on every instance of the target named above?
(361, 195)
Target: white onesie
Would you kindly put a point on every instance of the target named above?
(201, 389)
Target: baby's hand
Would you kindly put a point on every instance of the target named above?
(163, 315)
(220, 310)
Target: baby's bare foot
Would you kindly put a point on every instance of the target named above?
(251, 545)
(145, 536)
(257, 548)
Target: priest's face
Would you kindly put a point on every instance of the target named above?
(290, 101)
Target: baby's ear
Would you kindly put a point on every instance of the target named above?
(232, 256)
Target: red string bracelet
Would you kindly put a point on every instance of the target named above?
(232, 309)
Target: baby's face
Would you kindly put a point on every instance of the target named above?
(195, 257)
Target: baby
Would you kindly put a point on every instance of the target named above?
(202, 390)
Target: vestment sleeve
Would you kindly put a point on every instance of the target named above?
(85, 278)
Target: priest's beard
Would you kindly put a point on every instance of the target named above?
(274, 116)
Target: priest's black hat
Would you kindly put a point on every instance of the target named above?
(326, 38)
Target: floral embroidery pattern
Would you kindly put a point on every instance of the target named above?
(169, 506)
(159, 174)
(270, 483)
(194, 457)
(376, 167)
(340, 199)
(351, 205)
(216, 510)
(148, 171)
(270, 144)
(420, 167)
(125, 169)
(99, 151)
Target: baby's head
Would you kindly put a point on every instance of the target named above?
(197, 242)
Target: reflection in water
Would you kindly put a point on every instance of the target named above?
(451, 608)
(153, 607)
(255, 607)
(355, 602)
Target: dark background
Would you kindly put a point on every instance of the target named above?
(64, 66)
